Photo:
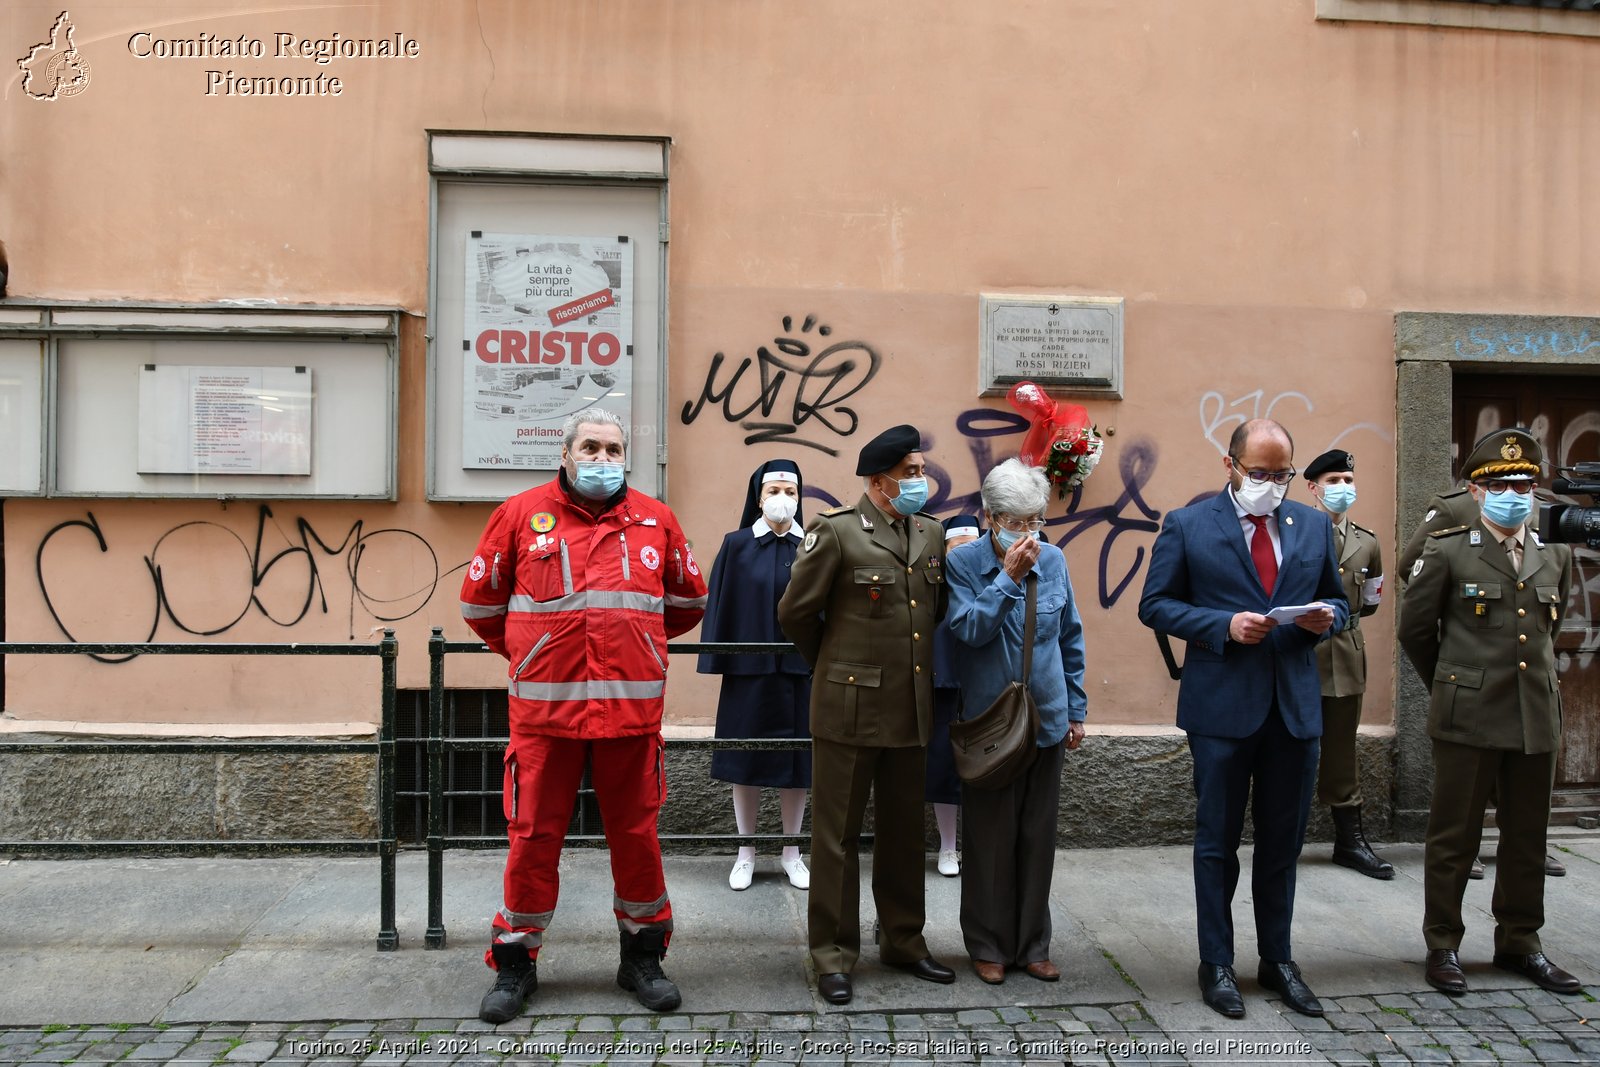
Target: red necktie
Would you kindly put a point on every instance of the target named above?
(1261, 551)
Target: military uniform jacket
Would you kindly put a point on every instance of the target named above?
(862, 611)
(1483, 638)
(1342, 658)
(1447, 510)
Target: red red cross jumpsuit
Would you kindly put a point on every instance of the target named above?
(581, 606)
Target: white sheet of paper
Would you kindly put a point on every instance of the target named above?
(1290, 612)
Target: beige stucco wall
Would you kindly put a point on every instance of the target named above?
(1263, 189)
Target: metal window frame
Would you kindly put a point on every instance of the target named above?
(546, 173)
(54, 321)
(1462, 14)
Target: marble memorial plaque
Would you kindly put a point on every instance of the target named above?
(1067, 344)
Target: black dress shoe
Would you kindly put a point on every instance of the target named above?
(1219, 990)
(1444, 971)
(1554, 868)
(1284, 979)
(1475, 872)
(1537, 968)
(929, 970)
(835, 988)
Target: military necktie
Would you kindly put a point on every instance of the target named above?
(1514, 550)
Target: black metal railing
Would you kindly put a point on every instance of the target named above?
(384, 845)
(438, 841)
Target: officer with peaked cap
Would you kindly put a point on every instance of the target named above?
(864, 597)
(1446, 511)
(1342, 662)
(1479, 620)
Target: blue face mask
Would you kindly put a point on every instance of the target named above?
(1006, 538)
(1508, 509)
(598, 481)
(1338, 497)
(913, 494)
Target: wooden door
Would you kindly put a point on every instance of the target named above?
(1563, 413)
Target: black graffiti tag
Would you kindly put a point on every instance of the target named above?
(822, 383)
(283, 587)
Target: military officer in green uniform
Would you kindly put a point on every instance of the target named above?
(1479, 619)
(865, 594)
(1342, 662)
(1449, 510)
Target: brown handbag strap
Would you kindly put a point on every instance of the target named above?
(1027, 628)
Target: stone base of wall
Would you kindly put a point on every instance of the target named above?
(191, 797)
(1120, 788)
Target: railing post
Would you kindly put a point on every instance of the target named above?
(435, 936)
(388, 936)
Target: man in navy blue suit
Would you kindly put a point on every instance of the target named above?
(1251, 697)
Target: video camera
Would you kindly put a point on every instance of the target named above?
(1572, 523)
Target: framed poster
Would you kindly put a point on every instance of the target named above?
(548, 331)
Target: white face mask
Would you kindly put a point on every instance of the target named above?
(1260, 498)
(779, 508)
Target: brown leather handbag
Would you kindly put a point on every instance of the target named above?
(995, 748)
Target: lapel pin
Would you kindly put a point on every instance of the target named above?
(1288, 520)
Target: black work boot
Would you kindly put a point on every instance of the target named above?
(1350, 848)
(640, 971)
(517, 979)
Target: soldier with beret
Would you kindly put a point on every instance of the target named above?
(864, 597)
(1342, 662)
(1481, 611)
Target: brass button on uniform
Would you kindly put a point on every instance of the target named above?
(875, 578)
(919, 670)
(1341, 570)
(916, 637)
(908, 570)
(1521, 612)
(1452, 677)
(1522, 639)
(1521, 585)
(1522, 665)
(851, 678)
(913, 603)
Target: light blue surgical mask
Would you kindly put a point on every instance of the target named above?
(1507, 509)
(1006, 538)
(913, 494)
(1338, 497)
(598, 481)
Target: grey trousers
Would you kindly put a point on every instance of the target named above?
(1008, 844)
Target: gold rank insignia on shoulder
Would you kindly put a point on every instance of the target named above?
(1475, 538)
(841, 509)
(1447, 531)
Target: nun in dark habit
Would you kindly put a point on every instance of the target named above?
(762, 696)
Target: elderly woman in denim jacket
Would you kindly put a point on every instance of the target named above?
(1011, 832)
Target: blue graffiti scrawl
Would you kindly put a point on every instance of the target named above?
(992, 435)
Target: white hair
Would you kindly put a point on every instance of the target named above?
(591, 417)
(1014, 488)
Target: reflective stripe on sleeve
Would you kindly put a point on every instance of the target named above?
(685, 601)
(482, 611)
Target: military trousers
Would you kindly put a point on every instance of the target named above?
(1463, 776)
(843, 778)
(1338, 773)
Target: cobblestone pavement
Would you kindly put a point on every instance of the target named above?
(1501, 1026)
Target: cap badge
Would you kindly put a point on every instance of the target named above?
(1511, 450)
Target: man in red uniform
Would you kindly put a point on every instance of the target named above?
(578, 583)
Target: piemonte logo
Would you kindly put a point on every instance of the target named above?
(54, 69)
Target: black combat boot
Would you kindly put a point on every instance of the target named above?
(640, 970)
(1350, 848)
(517, 979)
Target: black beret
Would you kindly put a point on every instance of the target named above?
(888, 448)
(1334, 459)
